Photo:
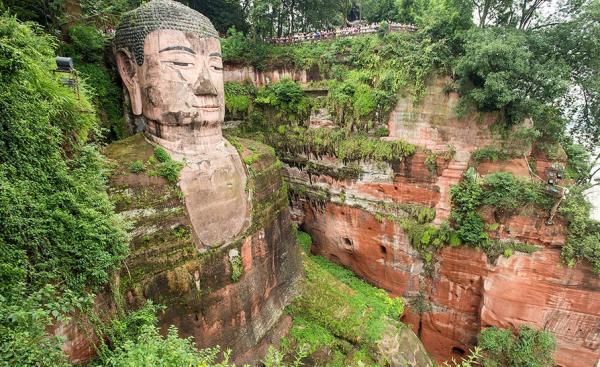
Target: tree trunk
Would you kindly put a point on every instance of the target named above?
(484, 14)
(292, 6)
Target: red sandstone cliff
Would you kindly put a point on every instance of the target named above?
(467, 292)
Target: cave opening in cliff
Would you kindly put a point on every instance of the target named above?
(347, 242)
(383, 249)
(458, 351)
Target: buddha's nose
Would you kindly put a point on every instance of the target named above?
(204, 86)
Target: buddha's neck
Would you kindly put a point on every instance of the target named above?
(185, 140)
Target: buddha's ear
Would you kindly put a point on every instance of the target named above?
(128, 71)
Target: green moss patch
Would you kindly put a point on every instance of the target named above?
(340, 317)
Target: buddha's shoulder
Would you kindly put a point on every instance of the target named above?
(134, 162)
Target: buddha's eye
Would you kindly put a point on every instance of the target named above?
(215, 63)
(180, 64)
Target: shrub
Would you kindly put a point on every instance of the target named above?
(137, 167)
(471, 229)
(489, 153)
(237, 269)
(123, 328)
(286, 98)
(578, 164)
(108, 97)
(500, 190)
(431, 163)
(504, 191)
(583, 233)
(466, 199)
(24, 340)
(529, 347)
(151, 349)
(161, 154)
(382, 132)
(239, 98)
(169, 170)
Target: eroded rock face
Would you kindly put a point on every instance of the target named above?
(467, 293)
(348, 219)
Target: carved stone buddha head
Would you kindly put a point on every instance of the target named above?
(169, 57)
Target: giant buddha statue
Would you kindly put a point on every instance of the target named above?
(169, 58)
(216, 247)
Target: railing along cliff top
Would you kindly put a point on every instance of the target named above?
(341, 33)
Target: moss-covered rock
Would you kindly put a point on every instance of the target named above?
(220, 299)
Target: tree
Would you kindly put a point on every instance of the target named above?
(222, 13)
(513, 13)
(508, 70)
(44, 12)
(277, 18)
(382, 10)
(444, 22)
(151, 349)
(492, 12)
(577, 42)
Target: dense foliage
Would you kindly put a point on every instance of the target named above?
(583, 233)
(363, 87)
(507, 194)
(88, 46)
(502, 70)
(529, 347)
(152, 349)
(337, 143)
(501, 191)
(58, 233)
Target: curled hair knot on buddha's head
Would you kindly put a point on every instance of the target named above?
(155, 15)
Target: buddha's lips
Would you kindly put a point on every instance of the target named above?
(209, 107)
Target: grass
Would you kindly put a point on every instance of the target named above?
(340, 312)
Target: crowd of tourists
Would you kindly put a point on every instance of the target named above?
(344, 32)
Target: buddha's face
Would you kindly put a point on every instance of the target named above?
(180, 81)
